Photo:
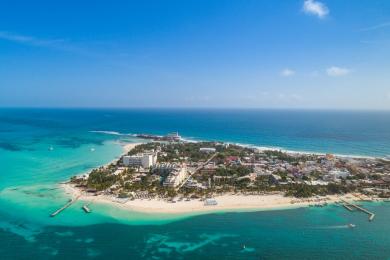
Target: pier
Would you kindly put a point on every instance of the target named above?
(350, 207)
(68, 204)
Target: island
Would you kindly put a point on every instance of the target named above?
(169, 175)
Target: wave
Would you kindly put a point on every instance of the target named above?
(113, 133)
(334, 227)
(106, 132)
(260, 148)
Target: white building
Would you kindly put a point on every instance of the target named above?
(140, 160)
(207, 150)
(176, 176)
(336, 174)
(164, 168)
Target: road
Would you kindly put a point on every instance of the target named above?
(197, 169)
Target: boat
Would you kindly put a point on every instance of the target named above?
(351, 225)
(92, 149)
(51, 148)
(86, 209)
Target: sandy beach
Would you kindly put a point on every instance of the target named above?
(225, 202)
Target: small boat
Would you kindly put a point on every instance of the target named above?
(50, 148)
(86, 209)
(351, 225)
(92, 149)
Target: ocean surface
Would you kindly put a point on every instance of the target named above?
(39, 148)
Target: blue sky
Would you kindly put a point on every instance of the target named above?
(326, 54)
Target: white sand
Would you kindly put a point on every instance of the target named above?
(225, 202)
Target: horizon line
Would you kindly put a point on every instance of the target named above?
(196, 108)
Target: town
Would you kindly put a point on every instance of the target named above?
(199, 170)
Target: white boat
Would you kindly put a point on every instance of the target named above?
(86, 209)
(351, 225)
(92, 149)
(51, 148)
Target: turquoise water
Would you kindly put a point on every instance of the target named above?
(40, 148)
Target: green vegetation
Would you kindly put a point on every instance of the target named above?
(231, 171)
(101, 179)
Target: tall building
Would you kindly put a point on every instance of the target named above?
(176, 177)
(140, 160)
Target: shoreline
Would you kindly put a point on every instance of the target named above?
(259, 147)
(226, 202)
(126, 147)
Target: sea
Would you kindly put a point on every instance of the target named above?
(40, 148)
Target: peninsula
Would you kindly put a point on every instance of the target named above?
(169, 175)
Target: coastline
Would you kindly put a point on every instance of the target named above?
(226, 202)
(259, 147)
(126, 147)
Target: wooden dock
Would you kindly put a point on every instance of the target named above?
(350, 206)
(70, 202)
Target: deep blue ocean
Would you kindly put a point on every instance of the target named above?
(40, 148)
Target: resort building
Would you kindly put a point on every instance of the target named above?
(207, 150)
(164, 168)
(336, 174)
(144, 160)
(176, 176)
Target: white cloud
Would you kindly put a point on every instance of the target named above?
(28, 39)
(375, 27)
(54, 44)
(337, 71)
(315, 8)
(287, 73)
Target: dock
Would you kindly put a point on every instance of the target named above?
(347, 207)
(68, 204)
(350, 206)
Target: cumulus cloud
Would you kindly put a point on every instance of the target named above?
(337, 71)
(315, 8)
(287, 73)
